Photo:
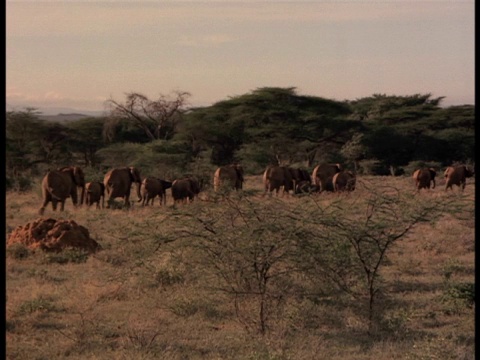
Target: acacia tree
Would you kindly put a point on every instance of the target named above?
(157, 118)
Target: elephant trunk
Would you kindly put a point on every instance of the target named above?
(139, 184)
(82, 195)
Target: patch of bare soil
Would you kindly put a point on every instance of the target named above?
(53, 235)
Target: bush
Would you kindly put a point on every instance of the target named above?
(21, 183)
(68, 256)
(18, 251)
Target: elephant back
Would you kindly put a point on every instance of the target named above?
(344, 180)
(323, 174)
(58, 183)
(185, 188)
(456, 175)
(95, 190)
(231, 174)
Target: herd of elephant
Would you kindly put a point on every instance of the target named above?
(58, 185)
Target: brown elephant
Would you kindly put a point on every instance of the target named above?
(231, 175)
(299, 175)
(276, 177)
(58, 185)
(184, 190)
(457, 175)
(118, 183)
(344, 180)
(424, 178)
(151, 188)
(322, 176)
(94, 193)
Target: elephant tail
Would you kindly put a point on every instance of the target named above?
(52, 193)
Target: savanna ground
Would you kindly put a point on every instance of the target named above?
(252, 277)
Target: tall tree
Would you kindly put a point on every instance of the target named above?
(273, 125)
(86, 138)
(157, 118)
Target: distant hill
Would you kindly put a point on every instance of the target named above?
(66, 117)
(59, 113)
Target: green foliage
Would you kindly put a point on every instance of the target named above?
(254, 252)
(418, 164)
(86, 138)
(39, 304)
(21, 182)
(18, 251)
(75, 256)
(185, 307)
(169, 277)
(23, 139)
(458, 296)
(278, 123)
(266, 126)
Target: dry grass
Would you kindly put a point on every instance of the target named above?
(140, 298)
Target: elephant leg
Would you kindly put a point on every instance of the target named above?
(46, 200)
(54, 204)
(62, 205)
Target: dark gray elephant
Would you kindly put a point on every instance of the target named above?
(94, 194)
(118, 183)
(306, 187)
(60, 184)
(424, 178)
(299, 176)
(230, 175)
(457, 175)
(322, 176)
(344, 181)
(185, 190)
(277, 177)
(151, 188)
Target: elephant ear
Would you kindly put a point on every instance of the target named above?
(78, 176)
(135, 173)
(102, 188)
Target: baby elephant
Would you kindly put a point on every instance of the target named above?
(424, 178)
(94, 193)
(151, 188)
(344, 181)
(185, 190)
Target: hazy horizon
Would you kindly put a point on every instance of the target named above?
(76, 55)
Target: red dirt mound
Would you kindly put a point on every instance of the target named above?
(53, 235)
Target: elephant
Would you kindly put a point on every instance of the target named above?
(185, 190)
(322, 176)
(118, 183)
(344, 181)
(424, 178)
(58, 185)
(456, 175)
(276, 177)
(231, 175)
(306, 187)
(94, 193)
(299, 176)
(152, 187)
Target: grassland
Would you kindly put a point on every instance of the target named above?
(160, 287)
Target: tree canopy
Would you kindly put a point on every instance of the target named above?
(268, 125)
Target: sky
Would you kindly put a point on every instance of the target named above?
(78, 54)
